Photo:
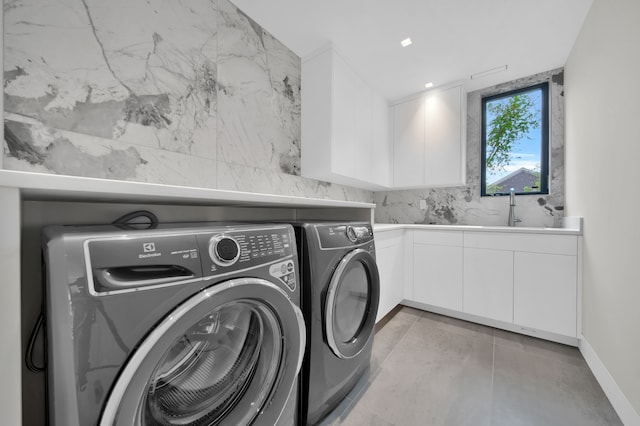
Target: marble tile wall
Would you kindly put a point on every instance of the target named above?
(463, 205)
(181, 92)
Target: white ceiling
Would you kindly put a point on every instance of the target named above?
(452, 39)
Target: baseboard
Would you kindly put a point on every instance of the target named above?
(385, 319)
(621, 404)
(515, 328)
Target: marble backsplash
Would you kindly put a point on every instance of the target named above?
(464, 205)
(181, 92)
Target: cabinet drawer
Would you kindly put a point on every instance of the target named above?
(442, 238)
(534, 243)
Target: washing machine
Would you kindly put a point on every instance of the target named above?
(195, 324)
(340, 296)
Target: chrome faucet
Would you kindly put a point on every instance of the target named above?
(512, 208)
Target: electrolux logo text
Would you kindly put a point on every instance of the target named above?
(150, 250)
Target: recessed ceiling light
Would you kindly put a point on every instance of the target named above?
(428, 85)
(488, 72)
(406, 42)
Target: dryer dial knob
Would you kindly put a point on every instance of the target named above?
(224, 250)
(356, 233)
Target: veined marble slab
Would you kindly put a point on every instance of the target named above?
(177, 92)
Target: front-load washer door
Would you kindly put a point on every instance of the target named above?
(228, 355)
(352, 304)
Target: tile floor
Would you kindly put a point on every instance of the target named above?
(429, 369)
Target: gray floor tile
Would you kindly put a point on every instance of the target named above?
(461, 327)
(389, 336)
(538, 346)
(530, 389)
(435, 370)
(433, 377)
(359, 416)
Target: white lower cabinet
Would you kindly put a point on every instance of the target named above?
(437, 275)
(488, 283)
(390, 260)
(522, 282)
(544, 292)
(437, 269)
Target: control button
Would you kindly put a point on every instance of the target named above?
(224, 250)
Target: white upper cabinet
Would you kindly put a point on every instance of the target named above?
(429, 139)
(408, 143)
(381, 139)
(345, 137)
(445, 118)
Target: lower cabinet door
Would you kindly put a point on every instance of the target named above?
(545, 287)
(488, 283)
(390, 262)
(437, 275)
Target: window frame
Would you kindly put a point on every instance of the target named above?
(544, 139)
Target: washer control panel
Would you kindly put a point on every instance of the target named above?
(241, 248)
(159, 257)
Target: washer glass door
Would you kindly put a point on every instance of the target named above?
(222, 357)
(352, 304)
(208, 369)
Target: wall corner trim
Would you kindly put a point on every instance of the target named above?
(621, 404)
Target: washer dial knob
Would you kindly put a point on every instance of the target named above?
(224, 250)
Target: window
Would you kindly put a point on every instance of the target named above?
(515, 142)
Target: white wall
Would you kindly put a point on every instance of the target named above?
(602, 84)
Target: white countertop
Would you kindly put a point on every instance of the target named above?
(39, 186)
(573, 227)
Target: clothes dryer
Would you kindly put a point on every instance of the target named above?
(180, 325)
(340, 294)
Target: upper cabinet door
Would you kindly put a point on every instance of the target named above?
(429, 139)
(381, 142)
(344, 144)
(444, 161)
(338, 128)
(408, 143)
(363, 131)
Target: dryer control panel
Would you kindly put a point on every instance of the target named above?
(343, 235)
